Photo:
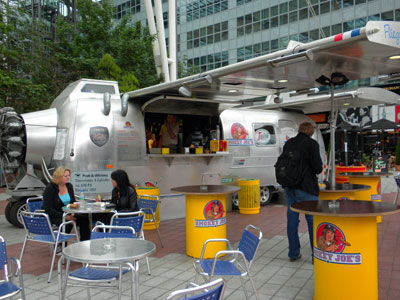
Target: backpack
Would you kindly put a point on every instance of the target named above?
(289, 168)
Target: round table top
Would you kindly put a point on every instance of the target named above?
(366, 174)
(344, 187)
(346, 208)
(206, 189)
(109, 250)
(87, 208)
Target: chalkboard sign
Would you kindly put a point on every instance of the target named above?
(381, 163)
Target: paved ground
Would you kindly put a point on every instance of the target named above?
(276, 277)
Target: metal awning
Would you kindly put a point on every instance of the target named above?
(358, 54)
(360, 97)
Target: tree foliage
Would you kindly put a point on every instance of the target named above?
(35, 65)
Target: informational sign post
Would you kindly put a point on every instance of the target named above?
(92, 182)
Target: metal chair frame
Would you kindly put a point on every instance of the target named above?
(39, 229)
(239, 265)
(397, 180)
(213, 290)
(148, 204)
(7, 288)
(97, 276)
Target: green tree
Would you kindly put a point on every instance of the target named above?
(36, 66)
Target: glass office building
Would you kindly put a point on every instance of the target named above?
(214, 33)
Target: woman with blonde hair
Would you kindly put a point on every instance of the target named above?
(59, 193)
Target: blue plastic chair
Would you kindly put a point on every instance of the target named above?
(7, 288)
(210, 291)
(148, 204)
(35, 204)
(124, 232)
(39, 229)
(94, 276)
(240, 263)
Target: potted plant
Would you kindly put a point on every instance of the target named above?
(397, 161)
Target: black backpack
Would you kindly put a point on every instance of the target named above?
(289, 168)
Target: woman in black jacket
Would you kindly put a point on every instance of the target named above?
(59, 193)
(123, 195)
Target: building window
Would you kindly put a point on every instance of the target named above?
(241, 2)
(127, 8)
(211, 61)
(202, 8)
(207, 35)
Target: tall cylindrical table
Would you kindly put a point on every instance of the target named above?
(205, 217)
(345, 247)
(341, 190)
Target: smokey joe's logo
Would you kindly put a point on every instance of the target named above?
(99, 135)
(331, 243)
(214, 215)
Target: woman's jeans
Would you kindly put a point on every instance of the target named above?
(296, 196)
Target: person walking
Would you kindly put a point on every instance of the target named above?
(307, 189)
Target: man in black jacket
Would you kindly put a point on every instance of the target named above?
(307, 190)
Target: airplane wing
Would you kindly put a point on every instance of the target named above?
(357, 54)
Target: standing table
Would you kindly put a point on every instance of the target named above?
(205, 217)
(345, 247)
(372, 179)
(341, 190)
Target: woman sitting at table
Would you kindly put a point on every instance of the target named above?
(59, 193)
(123, 196)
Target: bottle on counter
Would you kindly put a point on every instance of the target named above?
(217, 132)
(81, 195)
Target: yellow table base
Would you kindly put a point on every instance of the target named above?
(336, 195)
(373, 194)
(201, 225)
(353, 273)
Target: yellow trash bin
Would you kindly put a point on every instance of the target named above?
(153, 191)
(249, 196)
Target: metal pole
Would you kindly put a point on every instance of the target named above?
(332, 129)
(161, 39)
(153, 31)
(172, 38)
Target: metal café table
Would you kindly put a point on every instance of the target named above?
(205, 217)
(345, 247)
(109, 251)
(89, 208)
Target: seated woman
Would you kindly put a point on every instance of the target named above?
(59, 193)
(123, 196)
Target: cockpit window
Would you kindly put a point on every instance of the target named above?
(98, 88)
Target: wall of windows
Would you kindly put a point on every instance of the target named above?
(288, 12)
(202, 8)
(266, 47)
(207, 35)
(211, 61)
(129, 7)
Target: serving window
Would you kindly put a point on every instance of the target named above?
(264, 135)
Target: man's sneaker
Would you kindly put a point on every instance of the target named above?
(295, 258)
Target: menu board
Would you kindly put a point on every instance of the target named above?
(381, 163)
